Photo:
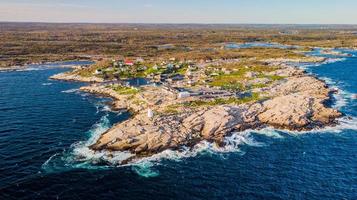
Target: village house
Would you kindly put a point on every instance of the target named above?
(118, 63)
(129, 62)
(98, 71)
(182, 95)
(139, 60)
(155, 67)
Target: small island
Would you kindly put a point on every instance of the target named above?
(179, 102)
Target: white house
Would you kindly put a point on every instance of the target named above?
(155, 67)
(182, 95)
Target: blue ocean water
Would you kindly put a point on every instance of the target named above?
(45, 126)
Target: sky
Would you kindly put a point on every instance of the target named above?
(182, 11)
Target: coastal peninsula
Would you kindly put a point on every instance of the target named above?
(183, 102)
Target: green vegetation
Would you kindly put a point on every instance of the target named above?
(259, 85)
(271, 77)
(151, 70)
(182, 70)
(172, 109)
(89, 71)
(275, 77)
(236, 80)
(108, 70)
(223, 101)
(124, 90)
(139, 102)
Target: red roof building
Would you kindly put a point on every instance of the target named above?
(129, 62)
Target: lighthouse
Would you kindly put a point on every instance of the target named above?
(150, 113)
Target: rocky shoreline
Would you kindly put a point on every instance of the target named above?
(297, 102)
(26, 65)
(68, 76)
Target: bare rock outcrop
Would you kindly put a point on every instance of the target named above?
(296, 112)
(69, 76)
(297, 102)
(143, 136)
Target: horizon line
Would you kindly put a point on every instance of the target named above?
(175, 23)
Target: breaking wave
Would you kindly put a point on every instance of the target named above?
(81, 156)
(344, 123)
(82, 153)
(103, 107)
(341, 97)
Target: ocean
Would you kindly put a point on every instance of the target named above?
(46, 126)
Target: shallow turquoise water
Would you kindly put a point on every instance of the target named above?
(45, 126)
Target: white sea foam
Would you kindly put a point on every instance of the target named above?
(333, 60)
(106, 108)
(269, 132)
(102, 107)
(83, 157)
(145, 169)
(71, 90)
(347, 123)
(46, 84)
(45, 165)
(305, 66)
(236, 140)
(145, 166)
(82, 153)
(344, 123)
(341, 97)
